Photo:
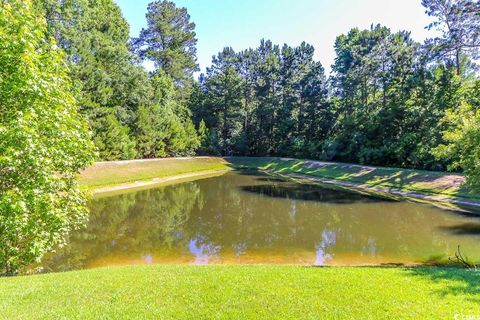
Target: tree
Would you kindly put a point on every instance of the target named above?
(111, 139)
(459, 23)
(109, 85)
(389, 100)
(169, 40)
(225, 99)
(304, 119)
(164, 127)
(43, 141)
(463, 135)
(263, 101)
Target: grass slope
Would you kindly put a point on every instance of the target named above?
(116, 172)
(105, 174)
(427, 182)
(243, 292)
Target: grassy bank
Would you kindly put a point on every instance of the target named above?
(239, 292)
(104, 174)
(427, 182)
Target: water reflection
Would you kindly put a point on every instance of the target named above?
(239, 218)
(309, 193)
(328, 240)
(464, 228)
(203, 252)
(148, 259)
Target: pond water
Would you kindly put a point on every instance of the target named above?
(252, 218)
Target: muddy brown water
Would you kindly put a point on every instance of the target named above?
(244, 218)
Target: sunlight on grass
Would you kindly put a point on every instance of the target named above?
(111, 173)
(239, 292)
(429, 182)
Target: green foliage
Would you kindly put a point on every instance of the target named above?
(463, 136)
(169, 40)
(384, 107)
(389, 101)
(458, 21)
(130, 113)
(111, 139)
(43, 142)
(383, 103)
(164, 128)
(263, 101)
(108, 84)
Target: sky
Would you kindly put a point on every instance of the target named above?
(241, 24)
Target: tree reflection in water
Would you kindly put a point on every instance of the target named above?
(246, 218)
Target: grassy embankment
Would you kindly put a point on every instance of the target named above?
(282, 292)
(106, 174)
(243, 292)
(426, 182)
(441, 184)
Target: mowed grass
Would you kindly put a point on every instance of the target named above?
(427, 182)
(104, 174)
(243, 292)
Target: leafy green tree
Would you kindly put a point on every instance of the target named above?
(304, 119)
(266, 71)
(389, 101)
(112, 140)
(463, 135)
(109, 85)
(263, 101)
(43, 141)
(223, 85)
(164, 127)
(169, 40)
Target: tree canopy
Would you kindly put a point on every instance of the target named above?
(169, 40)
(112, 88)
(459, 24)
(44, 142)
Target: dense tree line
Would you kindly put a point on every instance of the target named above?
(263, 101)
(133, 114)
(385, 103)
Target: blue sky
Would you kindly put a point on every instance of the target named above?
(242, 23)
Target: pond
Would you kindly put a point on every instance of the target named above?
(248, 218)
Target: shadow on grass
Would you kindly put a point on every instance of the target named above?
(454, 281)
(270, 179)
(451, 280)
(417, 180)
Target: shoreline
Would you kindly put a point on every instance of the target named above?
(155, 181)
(223, 165)
(407, 195)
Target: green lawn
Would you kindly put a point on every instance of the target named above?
(239, 292)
